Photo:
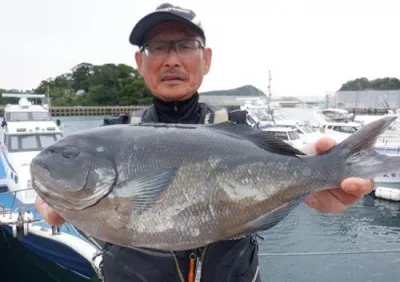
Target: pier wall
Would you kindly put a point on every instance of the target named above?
(89, 111)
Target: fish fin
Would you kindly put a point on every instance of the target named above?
(142, 191)
(265, 221)
(366, 136)
(358, 156)
(167, 125)
(262, 139)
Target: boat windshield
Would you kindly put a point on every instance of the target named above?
(28, 116)
(261, 114)
(290, 135)
(30, 142)
(307, 128)
(293, 135)
(345, 129)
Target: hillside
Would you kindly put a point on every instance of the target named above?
(246, 90)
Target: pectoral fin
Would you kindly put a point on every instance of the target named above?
(138, 194)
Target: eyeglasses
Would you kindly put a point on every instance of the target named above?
(184, 48)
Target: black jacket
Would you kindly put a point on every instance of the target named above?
(231, 260)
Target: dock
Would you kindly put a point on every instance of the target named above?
(89, 111)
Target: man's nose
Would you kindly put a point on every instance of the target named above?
(172, 58)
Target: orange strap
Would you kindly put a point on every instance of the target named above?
(192, 261)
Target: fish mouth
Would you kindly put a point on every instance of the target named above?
(40, 168)
(71, 197)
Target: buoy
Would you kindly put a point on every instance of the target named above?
(14, 230)
(388, 193)
(26, 223)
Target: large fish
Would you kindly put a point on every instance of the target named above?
(175, 187)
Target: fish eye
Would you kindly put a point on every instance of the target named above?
(70, 153)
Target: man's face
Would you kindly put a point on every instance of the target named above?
(173, 77)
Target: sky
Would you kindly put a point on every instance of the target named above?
(311, 47)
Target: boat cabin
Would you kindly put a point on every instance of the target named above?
(343, 127)
(21, 137)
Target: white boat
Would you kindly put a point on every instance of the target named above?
(262, 112)
(339, 130)
(308, 134)
(387, 185)
(333, 115)
(25, 130)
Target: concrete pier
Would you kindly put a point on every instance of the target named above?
(89, 111)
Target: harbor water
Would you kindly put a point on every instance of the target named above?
(357, 245)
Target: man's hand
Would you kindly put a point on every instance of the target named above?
(337, 199)
(47, 213)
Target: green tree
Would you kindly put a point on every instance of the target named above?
(387, 83)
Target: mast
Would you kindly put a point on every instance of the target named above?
(270, 111)
(269, 87)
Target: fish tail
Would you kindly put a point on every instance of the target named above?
(357, 155)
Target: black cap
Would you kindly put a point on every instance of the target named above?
(164, 12)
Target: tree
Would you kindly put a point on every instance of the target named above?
(100, 85)
(358, 84)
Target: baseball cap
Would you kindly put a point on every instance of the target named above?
(164, 12)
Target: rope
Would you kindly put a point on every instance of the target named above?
(329, 253)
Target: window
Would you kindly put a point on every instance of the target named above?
(28, 116)
(281, 135)
(293, 135)
(31, 142)
(28, 142)
(40, 116)
(47, 140)
(18, 116)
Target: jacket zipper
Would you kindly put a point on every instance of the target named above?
(202, 256)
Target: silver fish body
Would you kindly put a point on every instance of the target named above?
(176, 187)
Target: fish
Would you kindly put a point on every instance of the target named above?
(175, 187)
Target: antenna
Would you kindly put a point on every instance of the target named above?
(269, 86)
(270, 111)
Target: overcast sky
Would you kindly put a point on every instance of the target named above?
(310, 46)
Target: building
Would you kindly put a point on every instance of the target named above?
(367, 99)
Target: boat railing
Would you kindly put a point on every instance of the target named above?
(14, 193)
(18, 219)
(388, 145)
(20, 222)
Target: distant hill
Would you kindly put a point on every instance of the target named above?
(246, 90)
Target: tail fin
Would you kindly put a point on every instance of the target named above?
(359, 154)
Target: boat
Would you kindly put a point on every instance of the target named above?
(65, 246)
(339, 130)
(26, 129)
(333, 115)
(387, 185)
(286, 134)
(308, 134)
(264, 113)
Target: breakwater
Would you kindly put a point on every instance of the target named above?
(89, 111)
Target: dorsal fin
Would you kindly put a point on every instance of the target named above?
(262, 139)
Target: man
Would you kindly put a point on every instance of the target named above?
(173, 59)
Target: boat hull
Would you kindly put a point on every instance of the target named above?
(56, 252)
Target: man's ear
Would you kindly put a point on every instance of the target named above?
(207, 59)
(139, 61)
